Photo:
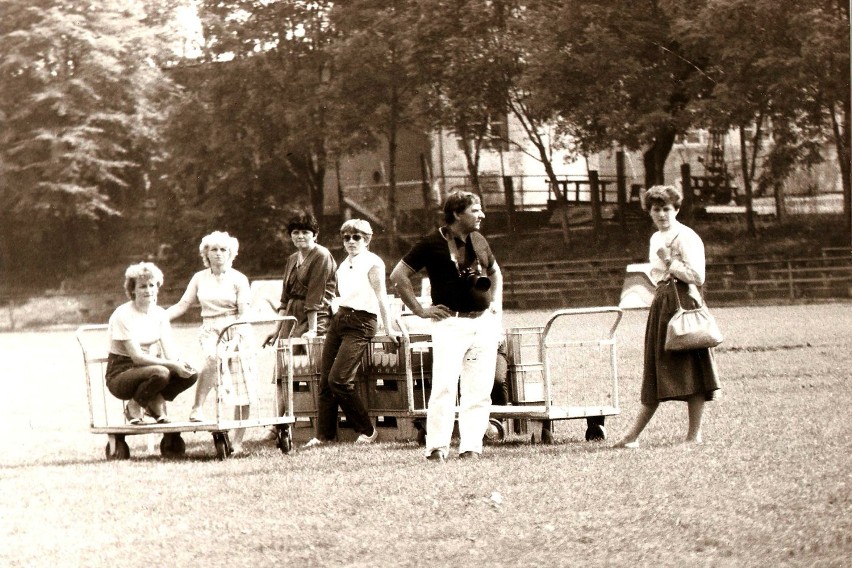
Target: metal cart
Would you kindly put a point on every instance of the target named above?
(557, 371)
(106, 413)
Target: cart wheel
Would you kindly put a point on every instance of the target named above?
(122, 450)
(420, 426)
(285, 439)
(223, 445)
(495, 432)
(595, 430)
(546, 436)
(172, 446)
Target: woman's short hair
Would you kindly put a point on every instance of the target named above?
(222, 239)
(457, 202)
(357, 226)
(141, 271)
(662, 195)
(303, 222)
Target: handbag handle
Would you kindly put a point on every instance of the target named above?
(677, 296)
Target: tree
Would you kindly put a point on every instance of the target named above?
(458, 53)
(763, 54)
(288, 46)
(81, 103)
(613, 71)
(250, 144)
(826, 70)
(375, 82)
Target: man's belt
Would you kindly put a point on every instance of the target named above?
(468, 314)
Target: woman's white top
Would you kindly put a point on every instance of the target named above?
(687, 253)
(218, 295)
(146, 329)
(353, 282)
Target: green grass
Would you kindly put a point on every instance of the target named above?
(769, 487)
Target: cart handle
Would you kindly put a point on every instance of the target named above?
(278, 319)
(584, 311)
(400, 321)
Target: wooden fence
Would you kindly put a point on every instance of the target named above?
(735, 279)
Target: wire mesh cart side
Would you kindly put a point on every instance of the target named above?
(106, 412)
(557, 371)
(241, 348)
(297, 380)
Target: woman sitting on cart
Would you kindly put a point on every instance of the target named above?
(224, 295)
(143, 367)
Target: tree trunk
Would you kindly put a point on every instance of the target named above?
(392, 143)
(686, 208)
(654, 158)
(749, 196)
(780, 202)
(471, 157)
(842, 144)
(561, 201)
(595, 202)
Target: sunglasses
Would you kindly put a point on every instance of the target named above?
(355, 238)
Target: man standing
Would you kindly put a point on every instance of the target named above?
(467, 296)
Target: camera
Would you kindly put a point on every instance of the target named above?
(475, 280)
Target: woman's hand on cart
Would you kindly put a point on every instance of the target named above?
(273, 337)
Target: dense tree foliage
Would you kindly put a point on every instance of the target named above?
(91, 124)
(375, 83)
(465, 72)
(82, 99)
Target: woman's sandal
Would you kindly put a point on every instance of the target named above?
(160, 418)
(132, 420)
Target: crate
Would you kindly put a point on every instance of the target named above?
(526, 384)
(304, 429)
(399, 429)
(306, 358)
(523, 345)
(306, 394)
(385, 369)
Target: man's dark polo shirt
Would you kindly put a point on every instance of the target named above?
(433, 254)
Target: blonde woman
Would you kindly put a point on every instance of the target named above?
(224, 295)
(143, 367)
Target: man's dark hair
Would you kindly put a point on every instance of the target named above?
(303, 221)
(457, 202)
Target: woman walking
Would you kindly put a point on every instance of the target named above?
(677, 267)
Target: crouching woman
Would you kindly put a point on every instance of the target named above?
(143, 367)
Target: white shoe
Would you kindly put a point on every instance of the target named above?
(197, 415)
(365, 439)
(313, 443)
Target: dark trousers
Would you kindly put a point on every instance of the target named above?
(142, 383)
(347, 337)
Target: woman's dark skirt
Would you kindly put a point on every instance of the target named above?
(674, 375)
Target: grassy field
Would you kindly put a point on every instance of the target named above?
(771, 485)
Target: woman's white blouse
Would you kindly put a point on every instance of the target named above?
(687, 253)
(353, 282)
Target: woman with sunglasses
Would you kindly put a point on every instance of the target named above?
(361, 285)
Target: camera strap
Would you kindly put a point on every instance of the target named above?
(454, 249)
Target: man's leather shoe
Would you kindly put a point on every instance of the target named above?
(436, 456)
